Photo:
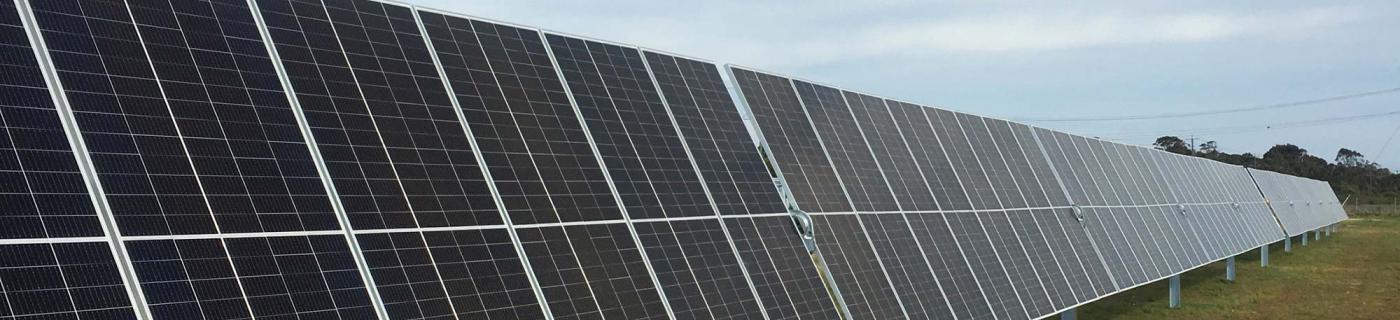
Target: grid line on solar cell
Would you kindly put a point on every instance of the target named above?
(62, 280)
(44, 194)
(735, 173)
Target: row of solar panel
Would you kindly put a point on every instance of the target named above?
(1301, 204)
(360, 159)
(354, 158)
(928, 213)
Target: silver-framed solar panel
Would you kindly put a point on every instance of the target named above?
(194, 148)
(796, 146)
(962, 288)
(587, 258)
(62, 280)
(777, 262)
(648, 162)
(971, 224)
(44, 193)
(839, 118)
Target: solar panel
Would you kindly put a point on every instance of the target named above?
(650, 165)
(776, 260)
(42, 191)
(975, 228)
(839, 124)
(62, 280)
(852, 257)
(553, 186)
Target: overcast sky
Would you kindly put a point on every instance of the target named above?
(1038, 59)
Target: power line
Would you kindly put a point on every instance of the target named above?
(1266, 127)
(1215, 112)
(1387, 142)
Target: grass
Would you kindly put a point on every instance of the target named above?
(1354, 274)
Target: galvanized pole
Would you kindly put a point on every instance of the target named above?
(1264, 256)
(1230, 269)
(1174, 294)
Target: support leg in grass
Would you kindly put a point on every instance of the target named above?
(1174, 292)
(1230, 269)
(1264, 256)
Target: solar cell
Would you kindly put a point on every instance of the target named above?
(42, 193)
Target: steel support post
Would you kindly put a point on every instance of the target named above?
(1230, 269)
(1174, 294)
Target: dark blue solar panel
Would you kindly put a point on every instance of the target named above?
(344, 128)
(631, 128)
(838, 132)
(294, 276)
(62, 281)
(242, 137)
(528, 132)
(413, 114)
(131, 136)
(42, 194)
(777, 262)
(793, 142)
(737, 176)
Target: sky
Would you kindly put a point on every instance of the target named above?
(1033, 60)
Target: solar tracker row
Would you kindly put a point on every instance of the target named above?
(235, 159)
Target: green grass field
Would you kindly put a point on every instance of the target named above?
(1354, 274)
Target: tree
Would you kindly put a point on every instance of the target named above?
(1352, 158)
(1172, 144)
(1209, 147)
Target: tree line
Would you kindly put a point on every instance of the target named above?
(1349, 173)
